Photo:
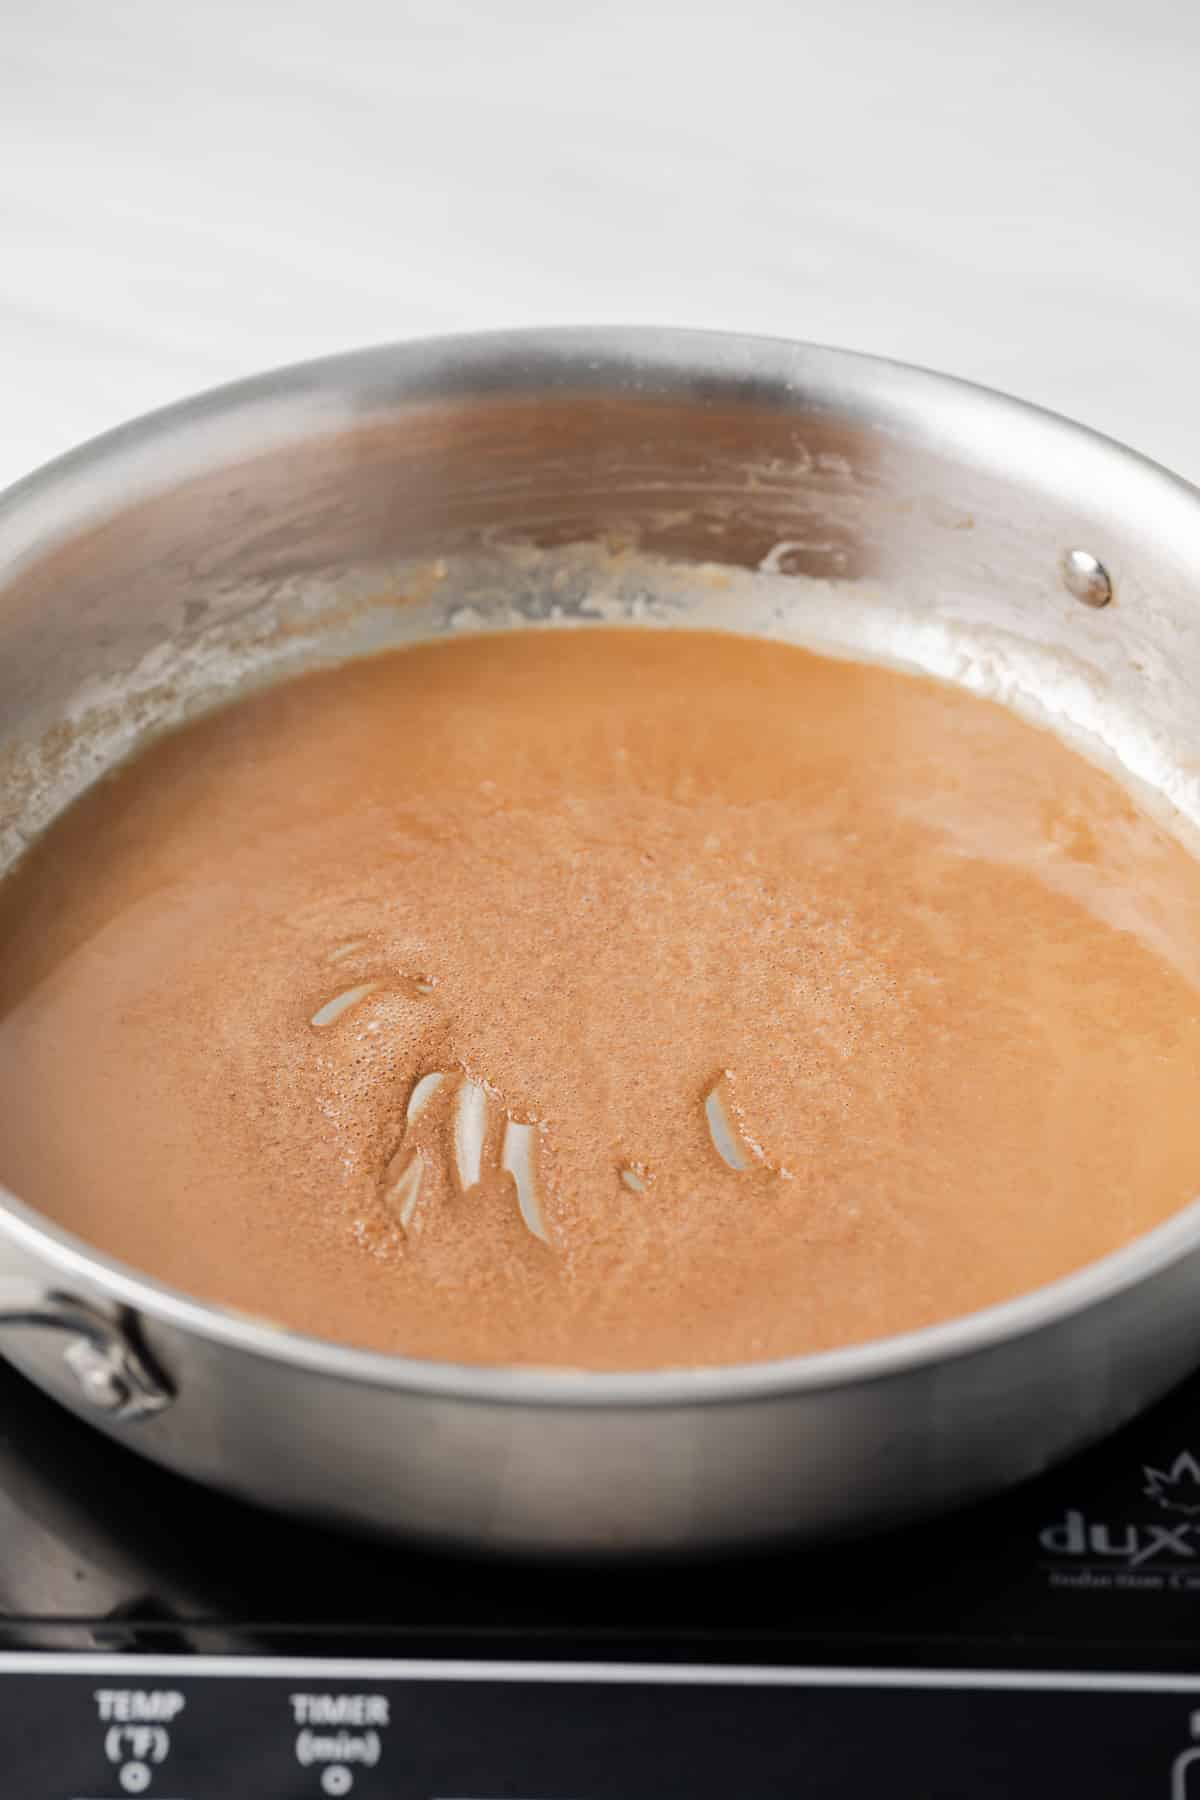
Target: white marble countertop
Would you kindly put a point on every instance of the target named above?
(1005, 190)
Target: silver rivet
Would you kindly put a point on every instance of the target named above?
(104, 1388)
(1085, 576)
(100, 1382)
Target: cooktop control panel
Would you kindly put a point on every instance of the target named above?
(209, 1728)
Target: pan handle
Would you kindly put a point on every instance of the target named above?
(102, 1352)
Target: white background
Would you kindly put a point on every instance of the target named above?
(190, 192)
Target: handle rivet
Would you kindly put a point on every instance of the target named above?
(1085, 576)
(100, 1381)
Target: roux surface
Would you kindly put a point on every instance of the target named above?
(673, 901)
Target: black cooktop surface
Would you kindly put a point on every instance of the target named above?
(100, 1549)
(158, 1638)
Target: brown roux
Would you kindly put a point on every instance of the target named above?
(942, 973)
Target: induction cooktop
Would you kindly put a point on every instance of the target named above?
(159, 1639)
